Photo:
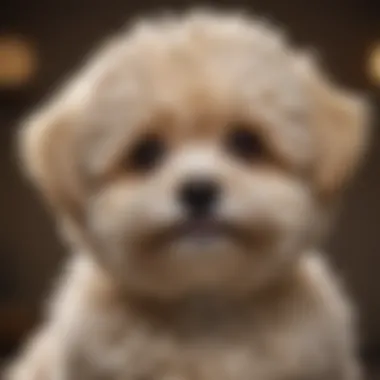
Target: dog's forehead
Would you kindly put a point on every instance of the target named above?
(190, 67)
(212, 70)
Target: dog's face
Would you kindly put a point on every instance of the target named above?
(198, 202)
(196, 155)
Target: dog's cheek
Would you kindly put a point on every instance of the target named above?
(113, 214)
(272, 202)
(280, 214)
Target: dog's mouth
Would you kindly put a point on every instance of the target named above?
(202, 230)
(207, 234)
(199, 233)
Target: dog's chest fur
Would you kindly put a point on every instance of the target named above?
(204, 340)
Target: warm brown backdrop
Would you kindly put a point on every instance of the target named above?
(62, 31)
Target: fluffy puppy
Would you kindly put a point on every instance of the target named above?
(192, 166)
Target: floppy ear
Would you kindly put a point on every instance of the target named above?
(46, 145)
(340, 125)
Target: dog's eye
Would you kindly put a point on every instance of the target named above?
(146, 154)
(245, 144)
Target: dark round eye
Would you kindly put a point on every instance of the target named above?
(146, 154)
(245, 144)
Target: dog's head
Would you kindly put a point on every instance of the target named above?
(195, 153)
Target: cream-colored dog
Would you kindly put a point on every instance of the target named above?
(192, 166)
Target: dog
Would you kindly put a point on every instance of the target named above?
(193, 165)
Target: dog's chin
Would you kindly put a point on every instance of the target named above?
(201, 255)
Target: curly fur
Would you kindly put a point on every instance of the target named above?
(129, 307)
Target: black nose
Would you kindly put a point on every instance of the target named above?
(199, 196)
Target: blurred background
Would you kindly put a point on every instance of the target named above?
(41, 42)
